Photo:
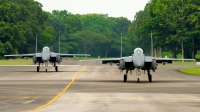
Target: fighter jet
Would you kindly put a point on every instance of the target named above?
(47, 56)
(138, 61)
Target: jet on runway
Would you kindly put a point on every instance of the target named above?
(137, 61)
(47, 56)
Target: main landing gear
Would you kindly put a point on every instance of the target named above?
(149, 76)
(138, 72)
(38, 68)
(56, 67)
(126, 75)
(46, 65)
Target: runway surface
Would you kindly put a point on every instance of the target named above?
(93, 87)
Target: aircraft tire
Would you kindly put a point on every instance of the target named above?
(125, 77)
(138, 80)
(46, 70)
(56, 68)
(150, 78)
(38, 68)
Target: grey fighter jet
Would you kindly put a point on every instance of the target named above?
(47, 56)
(139, 62)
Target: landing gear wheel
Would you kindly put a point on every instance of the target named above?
(46, 70)
(150, 78)
(56, 68)
(125, 77)
(138, 80)
(38, 68)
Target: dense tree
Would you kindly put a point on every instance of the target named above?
(174, 25)
(20, 22)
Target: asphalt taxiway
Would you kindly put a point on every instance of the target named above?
(93, 87)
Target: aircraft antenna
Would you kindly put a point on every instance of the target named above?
(36, 44)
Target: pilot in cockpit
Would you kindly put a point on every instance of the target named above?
(46, 49)
(138, 51)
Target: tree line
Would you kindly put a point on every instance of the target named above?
(174, 25)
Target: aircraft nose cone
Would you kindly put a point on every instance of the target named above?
(45, 56)
(138, 65)
(138, 61)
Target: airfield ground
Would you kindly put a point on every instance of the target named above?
(93, 87)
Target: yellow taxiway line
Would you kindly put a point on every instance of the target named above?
(59, 94)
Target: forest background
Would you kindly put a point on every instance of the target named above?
(174, 25)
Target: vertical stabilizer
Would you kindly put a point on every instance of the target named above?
(36, 44)
(59, 43)
(121, 46)
(151, 45)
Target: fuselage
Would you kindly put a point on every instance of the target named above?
(46, 54)
(138, 58)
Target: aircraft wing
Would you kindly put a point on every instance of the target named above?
(106, 60)
(128, 59)
(149, 58)
(72, 55)
(112, 60)
(169, 60)
(20, 55)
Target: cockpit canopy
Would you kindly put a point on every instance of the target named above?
(138, 51)
(45, 49)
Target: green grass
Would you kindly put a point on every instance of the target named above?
(180, 63)
(29, 61)
(192, 71)
(16, 62)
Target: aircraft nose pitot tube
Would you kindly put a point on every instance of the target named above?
(121, 64)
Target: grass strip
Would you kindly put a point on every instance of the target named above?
(16, 62)
(180, 63)
(191, 71)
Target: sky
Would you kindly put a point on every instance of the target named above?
(114, 8)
